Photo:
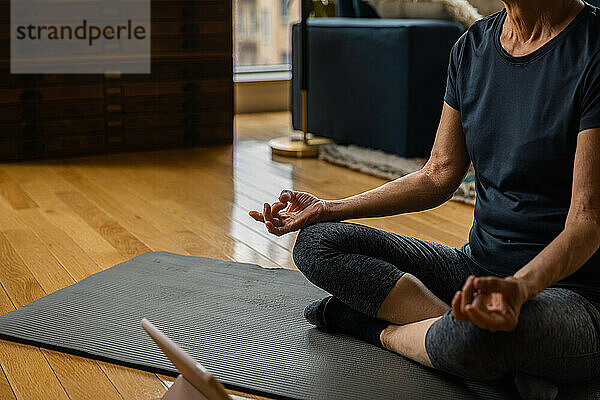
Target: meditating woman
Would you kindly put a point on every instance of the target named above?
(523, 295)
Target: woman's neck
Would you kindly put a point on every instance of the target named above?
(532, 23)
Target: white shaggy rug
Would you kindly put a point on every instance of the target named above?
(388, 166)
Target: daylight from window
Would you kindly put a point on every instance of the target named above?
(262, 31)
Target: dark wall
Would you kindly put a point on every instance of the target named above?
(187, 100)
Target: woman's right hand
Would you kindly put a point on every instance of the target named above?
(294, 211)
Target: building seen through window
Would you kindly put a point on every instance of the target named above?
(262, 31)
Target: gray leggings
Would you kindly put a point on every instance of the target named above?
(557, 338)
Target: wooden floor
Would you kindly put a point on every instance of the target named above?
(61, 221)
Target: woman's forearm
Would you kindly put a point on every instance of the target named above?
(431, 186)
(562, 257)
(415, 192)
(581, 237)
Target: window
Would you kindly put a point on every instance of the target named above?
(266, 26)
(240, 26)
(262, 32)
(285, 8)
(252, 25)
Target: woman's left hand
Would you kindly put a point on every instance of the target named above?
(490, 303)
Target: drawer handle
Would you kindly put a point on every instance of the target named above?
(114, 108)
(114, 91)
(112, 74)
(112, 124)
(115, 139)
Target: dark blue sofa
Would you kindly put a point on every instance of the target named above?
(374, 82)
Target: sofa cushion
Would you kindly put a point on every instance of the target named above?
(412, 10)
(460, 11)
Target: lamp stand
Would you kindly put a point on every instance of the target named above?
(303, 145)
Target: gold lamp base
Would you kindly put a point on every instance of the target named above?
(299, 148)
(300, 144)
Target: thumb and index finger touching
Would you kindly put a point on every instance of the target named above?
(491, 285)
(287, 196)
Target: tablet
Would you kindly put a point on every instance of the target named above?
(191, 370)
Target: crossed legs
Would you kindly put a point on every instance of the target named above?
(404, 285)
(375, 272)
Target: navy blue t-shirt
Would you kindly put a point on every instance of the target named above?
(521, 117)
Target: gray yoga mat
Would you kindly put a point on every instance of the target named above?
(241, 321)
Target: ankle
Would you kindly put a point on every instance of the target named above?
(333, 315)
(385, 337)
(410, 301)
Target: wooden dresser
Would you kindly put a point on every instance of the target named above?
(187, 99)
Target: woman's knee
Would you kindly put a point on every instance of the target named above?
(464, 349)
(554, 339)
(308, 248)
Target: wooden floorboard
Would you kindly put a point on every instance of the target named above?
(63, 220)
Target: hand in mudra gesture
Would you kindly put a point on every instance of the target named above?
(490, 303)
(294, 211)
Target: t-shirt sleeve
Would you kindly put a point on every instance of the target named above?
(452, 97)
(590, 97)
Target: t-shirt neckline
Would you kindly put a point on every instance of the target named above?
(542, 50)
